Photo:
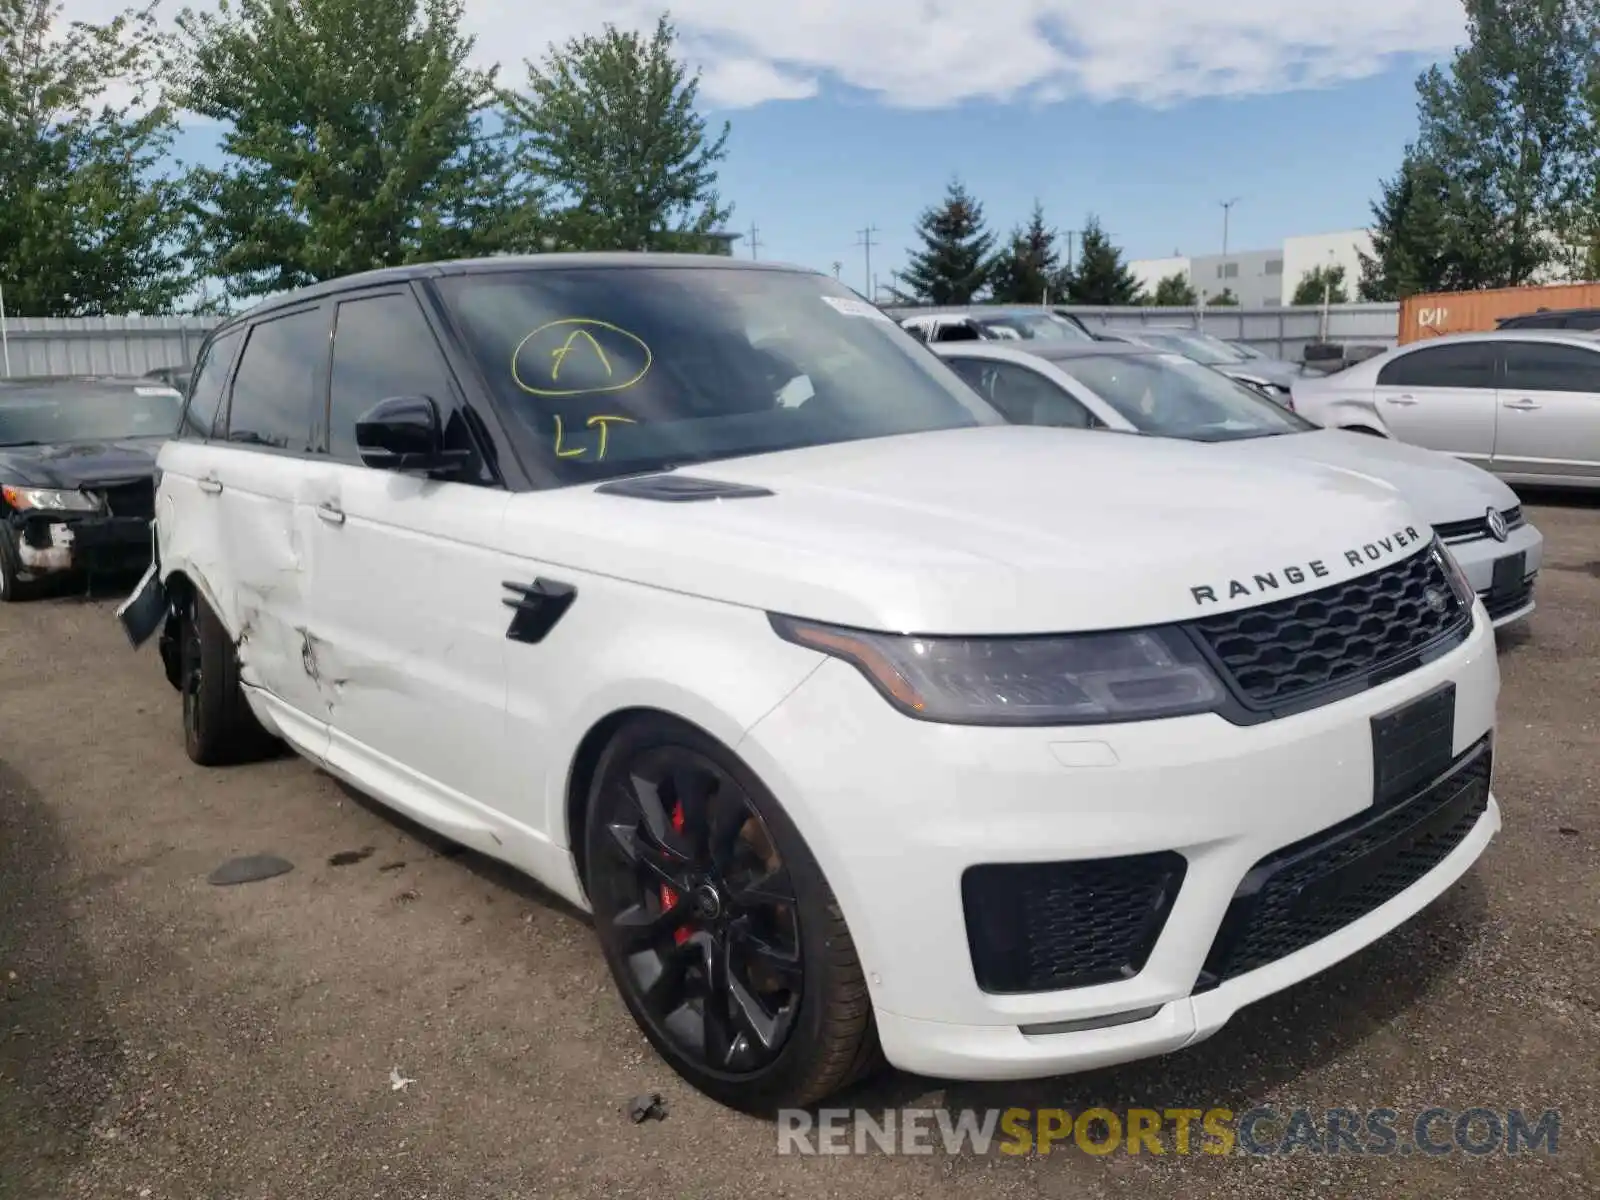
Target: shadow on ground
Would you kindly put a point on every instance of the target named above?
(60, 1056)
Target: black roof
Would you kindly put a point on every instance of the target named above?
(509, 262)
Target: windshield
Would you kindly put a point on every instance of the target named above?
(45, 416)
(1172, 396)
(609, 371)
(1196, 346)
(1044, 327)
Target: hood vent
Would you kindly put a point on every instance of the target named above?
(678, 489)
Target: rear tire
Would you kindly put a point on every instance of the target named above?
(218, 726)
(787, 1019)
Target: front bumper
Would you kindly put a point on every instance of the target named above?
(1503, 584)
(50, 543)
(897, 811)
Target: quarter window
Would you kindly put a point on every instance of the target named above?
(205, 396)
(382, 348)
(277, 383)
(1462, 365)
(1534, 367)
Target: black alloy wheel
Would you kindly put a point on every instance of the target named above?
(723, 937)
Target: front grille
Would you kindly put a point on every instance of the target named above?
(131, 499)
(1305, 892)
(1365, 630)
(1506, 603)
(1470, 531)
(1038, 927)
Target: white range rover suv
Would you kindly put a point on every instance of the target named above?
(865, 724)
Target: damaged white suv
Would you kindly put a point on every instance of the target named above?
(865, 723)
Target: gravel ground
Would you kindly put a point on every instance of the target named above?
(161, 1038)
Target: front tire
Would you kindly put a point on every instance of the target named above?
(218, 726)
(720, 931)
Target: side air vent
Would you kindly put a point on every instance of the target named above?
(677, 489)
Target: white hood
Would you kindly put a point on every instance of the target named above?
(1440, 487)
(1001, 529)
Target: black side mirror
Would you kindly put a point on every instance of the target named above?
(404, 433)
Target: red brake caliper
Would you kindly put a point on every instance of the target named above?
(669, 897)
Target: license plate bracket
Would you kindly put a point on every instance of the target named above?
(1508, 575)
(1413, 744)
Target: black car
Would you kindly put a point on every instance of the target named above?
(77, 475)
(1587, 319)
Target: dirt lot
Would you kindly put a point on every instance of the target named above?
(162, 1038)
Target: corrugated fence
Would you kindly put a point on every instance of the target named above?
(101, 345)
(135, 345)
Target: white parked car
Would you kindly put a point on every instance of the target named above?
(1523, 403)
(860, 719)
(1142, 390)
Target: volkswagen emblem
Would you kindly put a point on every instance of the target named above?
(1497, 525)
(1436, 599)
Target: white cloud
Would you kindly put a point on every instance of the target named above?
(928, 53)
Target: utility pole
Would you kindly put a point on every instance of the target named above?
(864, 240)
(1071, 233)
(1227, 211)
(837, 267)
(755, 239)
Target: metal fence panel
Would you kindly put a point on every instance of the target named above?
(100, 345)
(1280, 332)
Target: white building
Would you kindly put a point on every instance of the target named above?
(1263, 278)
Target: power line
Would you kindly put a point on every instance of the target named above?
(864, 240)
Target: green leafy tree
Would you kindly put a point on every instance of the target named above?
(608, 121)
(1223, 299)
(1488, 193)
(89, 222)
(1028, 270)
(355, 139)
(954, 265)
(1100, 276)
(1319, 284)
(1175, 291)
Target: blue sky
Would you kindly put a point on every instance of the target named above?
(1147, 113)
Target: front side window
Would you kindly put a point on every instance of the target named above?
(278, 382)
(1462, 365)
(607, 371)
(1550, 367)
(382, 349)
(1169, 395)
(205, 396)
(1024, 396)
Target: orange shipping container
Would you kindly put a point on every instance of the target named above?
(1471, 312)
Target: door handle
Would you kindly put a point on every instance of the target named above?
(210, 486)
(331, 514)
(1523, 405)
(1398, 400)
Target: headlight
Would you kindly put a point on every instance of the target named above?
(49, 499)
(1071, 679)
(1453, 572)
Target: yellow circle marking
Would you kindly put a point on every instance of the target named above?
(580, 338)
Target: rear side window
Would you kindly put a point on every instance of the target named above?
(205, 395)
(1534, 367)
(278, 382)
(1025, 397)
(957, 331)
(1463, 365)
(382, 348)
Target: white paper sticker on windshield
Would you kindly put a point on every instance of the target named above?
(854, 308)
(156, 391)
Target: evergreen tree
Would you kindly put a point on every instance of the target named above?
(1321, 284)
(1028, 270)
(1223, 299)
(609, 122)
(954, 264)
(89, 223)
(354, 140)
(1175, 291)
(1100, 276)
